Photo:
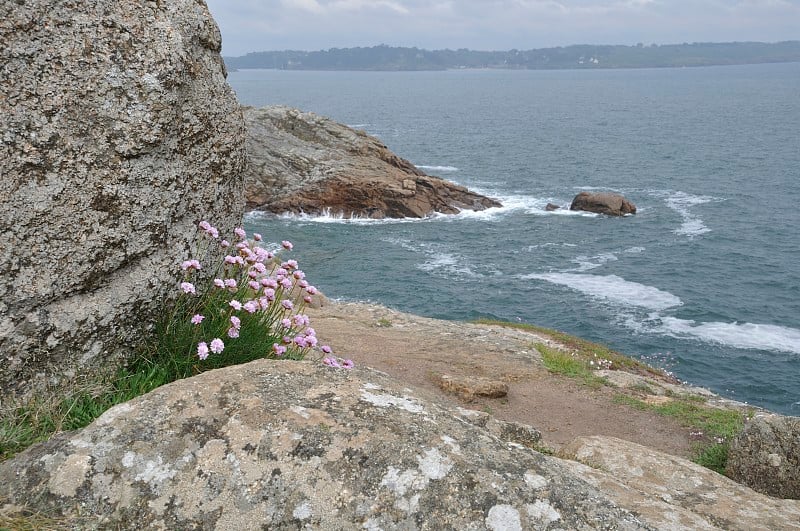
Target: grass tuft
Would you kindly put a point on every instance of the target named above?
(571, 366)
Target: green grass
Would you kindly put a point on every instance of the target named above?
(559, 362)
(586, 349)
(168, 356)
(714, 424)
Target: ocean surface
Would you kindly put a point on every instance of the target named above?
(704, 280)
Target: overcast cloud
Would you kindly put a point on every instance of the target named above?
(258, 25)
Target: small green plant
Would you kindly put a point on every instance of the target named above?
(252, 300)
(383, 322)
(596, 355)
(570, 365)
(711, 428)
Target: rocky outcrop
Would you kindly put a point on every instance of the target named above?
(603, 203)
(302, 162)
(671, 493)
(765, 455)
(119, 133)
(288, 445)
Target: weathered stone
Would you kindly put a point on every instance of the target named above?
(468, 388)
(286, 445)
(672, 493)
(765, 455)
(603, 203)
(302, 162)
(119, 133)
(551, 207)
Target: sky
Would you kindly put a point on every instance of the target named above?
(262, 25)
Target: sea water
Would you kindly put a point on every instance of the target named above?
(704, 280)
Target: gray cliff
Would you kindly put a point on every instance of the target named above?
(119, 133)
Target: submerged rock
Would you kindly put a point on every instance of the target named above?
(603, 203)
(302, 162)
(119, 133)
(765, 455)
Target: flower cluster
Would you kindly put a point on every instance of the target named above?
(252, 294)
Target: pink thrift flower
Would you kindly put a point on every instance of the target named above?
(269, 283)
(281, 272)
(202, 350)
(287, 340)
(286, 283)
(303, 283)
(225, 244)
(300, 341)
(236, 322)
(188, 287)
(331, 362)
(206, 226)
(326, 349)
(287, 304)
(242, 246)
(219, 283)
(251, 306)
(214, 233)
(308, 299)
(263, 302)
(240, 233)
(236, 305)
(286, 323)
(311, 290)
(310, 331)
(287, 245)
(257, 237)
(269, 293)
(279, 350)
(299, 275)
(348, 364)
(217, 345)
(190, 264)
(262, 254)
(300, 320)
(230, 283)
(197, 319)
(233, 333)
(291, 264)
(311, 341)
(230, 259)
(254, 285)
(252, 274)
(260, 268)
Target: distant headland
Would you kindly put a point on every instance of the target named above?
(582, 56)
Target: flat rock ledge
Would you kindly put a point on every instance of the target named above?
(300, 162)
(290, 445)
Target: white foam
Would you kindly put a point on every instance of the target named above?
(681, 202)
(738, 335)
(613, 289)
(587, 263)
(437, 168)
(357, 126)
(634, 250)
(449, 264)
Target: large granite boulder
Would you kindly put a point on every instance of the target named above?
(119, 133)
(290, 445)
(766, 455)
(603, 203)
(671, 493)
(302, 162)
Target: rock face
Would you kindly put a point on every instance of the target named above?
(302, 162)
(287, 445)
(603, 203)
(119, 133)
(672, 493)
(766, 456)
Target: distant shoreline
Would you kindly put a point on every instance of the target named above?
(578, 57)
